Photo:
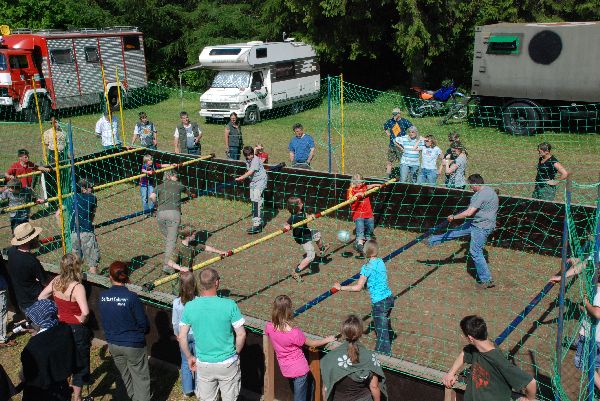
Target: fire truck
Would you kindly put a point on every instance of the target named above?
(64, 68)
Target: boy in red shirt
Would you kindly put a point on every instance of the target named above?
(259, 151)
(362, 212)
(24, 166)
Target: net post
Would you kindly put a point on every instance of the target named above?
(594, 289)
(39, 115)
(314, 363)
(329, 121)
(59, 192)
(107, 103)
(120, 105)
(563, 270)
(74, 186)
(342, 121)
(269, 378)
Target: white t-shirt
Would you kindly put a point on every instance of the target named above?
(429, 157)
(585, 327)
(103, 128)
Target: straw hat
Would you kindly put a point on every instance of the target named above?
(24, 233)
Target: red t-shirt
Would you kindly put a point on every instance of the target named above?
(361, 209)
(263, 156)
(17, 168)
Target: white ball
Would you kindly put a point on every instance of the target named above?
(343, 236)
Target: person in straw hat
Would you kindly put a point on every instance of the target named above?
(27, 276)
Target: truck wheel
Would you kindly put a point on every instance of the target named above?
(30, 113)
(45, 109)
(520, 118)
(252, 116)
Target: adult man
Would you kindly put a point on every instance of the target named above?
(410, 146)
(168, 198)
(146, 131)
(187, 136)
(483, 208)
(258, 183)
(394, 127)
(61, 141)
(217, 365)
(301, 147)
(86, 244)
(27, 276)
(233, 137)
(109, 133)
(24, 166)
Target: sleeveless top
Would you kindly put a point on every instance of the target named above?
(546, 171)
(67, 310)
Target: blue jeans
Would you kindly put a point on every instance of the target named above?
(234, 153)
(478, 239)
(145, 192)
(383, 328)
(427, 176)
(187, 376)
(408, 173)
(300, 387)
(364, 228)
(193, 151)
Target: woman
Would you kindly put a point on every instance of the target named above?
(351, 372)
(125, 326)
(187, 292)
(430, 153)
(456, 168)
(233, 137)
(547, 167)
(70, 298)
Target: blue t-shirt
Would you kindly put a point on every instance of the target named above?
(123, 318)
(396, 128)
(376, 274)
(301, 147)
(86, 207)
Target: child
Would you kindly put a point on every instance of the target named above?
(145, 130)
(257, 186)
(452, 137)
(430, 153)
(259, 150)
(303, 235)
(148, 182)
(18, 195)
(362, 212)
(374, 274)
(183, 256)
(492, 375)
(188, 291)
(287, 342)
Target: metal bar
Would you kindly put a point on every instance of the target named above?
(59, 192)
(39, 115)
(594, 289)
(120, 105)
(329, 120)
(563, 270)
(74, 187)
(342, 122)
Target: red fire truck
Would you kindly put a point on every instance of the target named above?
(66, 67)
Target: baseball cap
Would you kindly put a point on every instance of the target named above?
(396, 111)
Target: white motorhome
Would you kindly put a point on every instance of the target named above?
(255, 77)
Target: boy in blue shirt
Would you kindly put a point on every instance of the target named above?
(394, 127)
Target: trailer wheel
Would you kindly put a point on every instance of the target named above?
(521, 118)
(45, 108)
(252, 116)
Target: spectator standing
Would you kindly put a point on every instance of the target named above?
(108, 132)
(456, 169)
(186, 251)
(301, 147)
(259, 150)
(125, 325)
(4, 339)
(492, 377)
(24, 166)
(410, 145)
(547, 168)
(394, 127)
(61, 141)
(27, 276)
(18, 195)
(69, 296)
(49, 358)
(187, 292)
(351, 372)
(258, 183)
(430, 153)
(146, 132)
(216, 361)
(483, 208)
(233, 137)
(187, 136)
(86, 243)
(452, 137)
(362, 212)
(287, 341)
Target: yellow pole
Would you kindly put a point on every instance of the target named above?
(108, 105)
(120, 104)
(161, 281)
(37, 106)
(342, 123)
(59, 192)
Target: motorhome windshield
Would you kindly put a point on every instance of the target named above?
(2, 62)
(232, 79)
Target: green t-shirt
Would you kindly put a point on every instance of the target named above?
(213, 319)
(169, 195)
(492, 376)
(184, 255)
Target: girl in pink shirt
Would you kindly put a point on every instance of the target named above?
(287, 342)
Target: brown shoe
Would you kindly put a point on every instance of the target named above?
(8, 343)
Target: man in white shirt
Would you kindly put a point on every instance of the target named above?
(109, 135)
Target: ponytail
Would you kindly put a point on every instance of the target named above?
(352, 330)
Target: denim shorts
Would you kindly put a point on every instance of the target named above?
(579, 354)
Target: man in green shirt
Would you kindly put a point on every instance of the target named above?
(216, 363)
(190, 246)
(492, 377)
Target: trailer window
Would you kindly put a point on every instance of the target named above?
(503, 45)
(231, 79)
(131, 43)
(91, 54)
(261, 53)
(2, 62)
(61, 56)
(284, 70)
(228, 51)
(18, 61)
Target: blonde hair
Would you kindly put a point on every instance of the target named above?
(352, 330)
(371, 248)
(357, 179)
(70, 271)
(147, 158)
(432, 139)
(282, 314)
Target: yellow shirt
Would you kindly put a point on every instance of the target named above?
(60, 139)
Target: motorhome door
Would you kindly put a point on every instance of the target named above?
(259, 88)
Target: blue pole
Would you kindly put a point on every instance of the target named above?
(74, 187)
(593, 328)
(329, 119)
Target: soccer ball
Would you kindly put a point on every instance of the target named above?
(343, 236)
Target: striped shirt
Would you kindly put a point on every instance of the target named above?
(410, 157)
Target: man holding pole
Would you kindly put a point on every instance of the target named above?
(24, 166)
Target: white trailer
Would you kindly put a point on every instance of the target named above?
(255, 77)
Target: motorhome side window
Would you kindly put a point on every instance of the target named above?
(228, 51)
(131, 43)
(284, 70)
(91, 54)
(61, 56)
(18, 62)
(261, 53)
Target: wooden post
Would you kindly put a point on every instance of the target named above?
(449, 394)
(269, 380)
(314, 362)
